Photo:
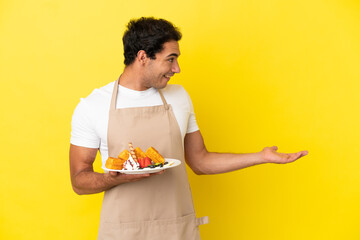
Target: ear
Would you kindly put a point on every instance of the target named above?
(141, 57)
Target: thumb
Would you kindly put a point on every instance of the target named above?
(274, 148)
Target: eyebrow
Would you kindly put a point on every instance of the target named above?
(173, 55)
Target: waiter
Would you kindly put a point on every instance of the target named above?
(140, 107)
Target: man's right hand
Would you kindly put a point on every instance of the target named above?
(119, 178)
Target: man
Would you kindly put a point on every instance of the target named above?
(140, 107)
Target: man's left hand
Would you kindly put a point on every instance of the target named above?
(270, 155)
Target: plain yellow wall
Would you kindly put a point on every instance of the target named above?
(260, 73)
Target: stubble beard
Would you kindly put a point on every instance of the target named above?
(158, 83)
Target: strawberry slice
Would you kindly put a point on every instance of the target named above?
(141, 162)
(147, 161)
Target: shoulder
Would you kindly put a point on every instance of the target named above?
(96, 102)
(90, 117)
(99, 95)
(176, 94)
(98, 99)
(175, 90)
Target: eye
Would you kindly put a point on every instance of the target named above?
(171, 60)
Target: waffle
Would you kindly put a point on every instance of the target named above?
(154, 155)
(114, 163)
(124, 155)
(139, 153)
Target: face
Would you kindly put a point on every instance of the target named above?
(159, 71)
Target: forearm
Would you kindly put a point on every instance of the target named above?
(203, 162)
(89, 182)
(214, 163)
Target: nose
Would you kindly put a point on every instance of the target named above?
(175, 67)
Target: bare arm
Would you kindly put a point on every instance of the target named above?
(203, 162)
(83, 178)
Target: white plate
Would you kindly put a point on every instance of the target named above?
(148, 170)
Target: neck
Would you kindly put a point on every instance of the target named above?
(131, 79)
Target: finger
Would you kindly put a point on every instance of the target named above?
(301, 154)
(304, 153)
(296, 156)
(158, 173)
(113, 174)
(135, 176)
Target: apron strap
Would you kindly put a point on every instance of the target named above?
(115, 92)
(202, 220)
(114, 95)
(163, 100)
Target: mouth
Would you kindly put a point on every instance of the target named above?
(167, 76)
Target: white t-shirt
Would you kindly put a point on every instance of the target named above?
(90, 119)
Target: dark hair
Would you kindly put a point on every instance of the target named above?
(148, 34)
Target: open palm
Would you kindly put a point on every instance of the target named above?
(271, 155)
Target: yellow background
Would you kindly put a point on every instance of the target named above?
(260, 73)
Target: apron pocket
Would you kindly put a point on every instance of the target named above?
(181, 228)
